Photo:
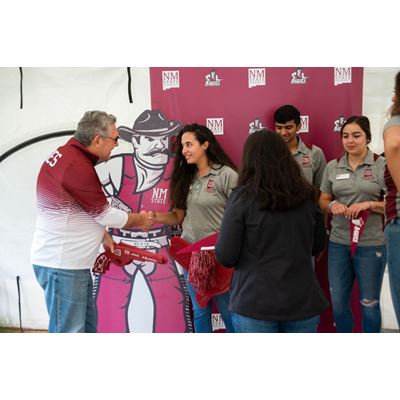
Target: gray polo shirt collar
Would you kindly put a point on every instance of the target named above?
(301, 147)
(215, 169)
(368, 160)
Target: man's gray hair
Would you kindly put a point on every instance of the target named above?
(93, 123)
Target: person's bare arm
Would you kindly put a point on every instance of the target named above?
(174, 217)
(324, 200)
(108, 242)
(391, 139)
(329, 206)
(143, 220)
(375, 206)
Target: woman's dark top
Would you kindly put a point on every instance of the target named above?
(272, 254)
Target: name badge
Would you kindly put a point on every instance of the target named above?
(342, 176)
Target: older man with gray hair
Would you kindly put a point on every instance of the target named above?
(73, 214)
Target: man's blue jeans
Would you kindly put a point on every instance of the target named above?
(202, 316)
(244, 324)
(368, 267)
(69, 299)
(392, 237)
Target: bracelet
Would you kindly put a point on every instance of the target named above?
(370, 205)
(331, 204)
(153, 214)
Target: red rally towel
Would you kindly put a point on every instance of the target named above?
(205, 274)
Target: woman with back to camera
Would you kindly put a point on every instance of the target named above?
(391, 136)
(352, 191)
(271, 228)
(202, 180)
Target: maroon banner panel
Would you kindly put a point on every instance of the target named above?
(234, 101)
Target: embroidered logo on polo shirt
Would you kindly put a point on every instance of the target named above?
(305, 162)
(368, 175)
(210, 188)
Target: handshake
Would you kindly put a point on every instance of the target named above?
(146, 220)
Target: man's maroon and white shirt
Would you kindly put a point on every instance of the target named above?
(72, 210)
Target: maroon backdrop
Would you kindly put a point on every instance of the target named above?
(197, 94)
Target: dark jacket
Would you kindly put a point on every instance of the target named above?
(272, 254)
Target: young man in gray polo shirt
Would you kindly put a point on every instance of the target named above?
(312, 161)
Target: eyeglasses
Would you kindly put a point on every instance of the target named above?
(109, 137)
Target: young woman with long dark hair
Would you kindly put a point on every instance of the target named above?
(202, 179)
(271, 228)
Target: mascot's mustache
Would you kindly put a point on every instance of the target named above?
(156, 152)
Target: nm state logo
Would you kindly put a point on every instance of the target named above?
(342, 75)
(216, 125)
(257, 77)
(212, 79)
(304, 123)
(159, 196)
(170, 79)
(298, 77)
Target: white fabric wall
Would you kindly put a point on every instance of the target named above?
(54, 99)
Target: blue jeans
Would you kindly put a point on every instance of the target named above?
(202, 316)
(69, 299)
(368, 267)
(244, 324)
(392, 236)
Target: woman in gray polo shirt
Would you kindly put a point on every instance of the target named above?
(352, 191)
(202, 180)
